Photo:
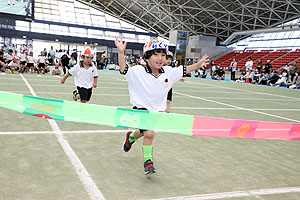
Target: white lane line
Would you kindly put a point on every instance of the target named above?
(175, 96)
(81, 171)
(247, 91)
(124, 80)
(234, 194)
(246, 109)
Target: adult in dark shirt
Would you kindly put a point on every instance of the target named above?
(259, 66)
(220, 74)
(268, 67)
(3, 66)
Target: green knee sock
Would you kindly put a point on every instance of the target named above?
(147, 151)
(132, 138)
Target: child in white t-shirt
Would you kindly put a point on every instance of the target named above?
(30, 62)
(86, 76)
(148, 88)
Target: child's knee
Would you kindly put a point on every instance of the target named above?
(149, 134)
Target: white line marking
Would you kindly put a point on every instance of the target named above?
(247, 91)
(119, 79)
(246, 193)
(83, 174)
(175, 96)
(225, 104)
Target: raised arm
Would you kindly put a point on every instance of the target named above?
(204, 60)
(121, 49)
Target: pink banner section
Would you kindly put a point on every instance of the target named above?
(234, 128)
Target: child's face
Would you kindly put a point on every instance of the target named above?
(157, 60)
(87, 60)
(168, 61)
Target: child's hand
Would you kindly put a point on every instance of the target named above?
(204, 60)
(94, 85)
(62, 81)
(120, 45)
(182, 79)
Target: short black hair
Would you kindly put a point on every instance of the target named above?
(169, 56)
(1, 53)
(10, 50)
(148, 54)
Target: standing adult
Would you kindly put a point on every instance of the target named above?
(268, 67)
(293, 69)
(212, 64)
(52, 55)
(259, 66)
(94, 52)
(249, 64)
(233, 66)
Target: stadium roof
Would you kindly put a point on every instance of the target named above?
(201, 17)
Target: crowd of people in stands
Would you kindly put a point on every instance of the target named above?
(262, 73)
(22, 60)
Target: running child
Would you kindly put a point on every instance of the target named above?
(148, 88)
(86, 76)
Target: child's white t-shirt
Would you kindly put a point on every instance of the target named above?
(30, 59)
(84, 77)
(150, 91)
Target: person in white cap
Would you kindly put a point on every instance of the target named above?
(86, 76)
(148, 88)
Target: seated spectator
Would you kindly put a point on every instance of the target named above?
(9, 56)
(263, 79)
(220, 75)
(273, 78)
(249, 76)
(242, 78)
(56, 70)
(202, 73)
(295, 82)
(256, 75)
(283, 78)
(14, 65)
(72, 62)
